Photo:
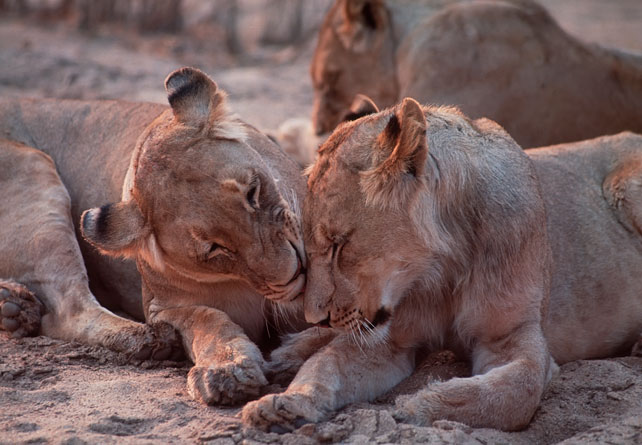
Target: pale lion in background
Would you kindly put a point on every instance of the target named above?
(507, 60)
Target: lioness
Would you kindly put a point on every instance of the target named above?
(208, 211)
(507, 60)
(424, 228)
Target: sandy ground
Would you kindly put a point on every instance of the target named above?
(58, 392)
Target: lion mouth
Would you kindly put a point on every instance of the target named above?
(363, 332)
(287, 292)
(295, 286)
(381, 317)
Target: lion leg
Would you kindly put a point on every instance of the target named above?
(228, 366)
(287, 359)
(622, 189)
(20, 309)
(41, 252)
(511, 375)
(339, 374)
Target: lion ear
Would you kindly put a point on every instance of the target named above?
(115, 229)
(405, 139)
(194, 97)
(362, 20)
(368, 13)
(361, 106)
(400, 156)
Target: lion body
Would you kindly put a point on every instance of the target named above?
(506, 60)
(593, 195)
(90, 144)
(200, 207)
(432, 231)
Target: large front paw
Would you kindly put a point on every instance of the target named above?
(156, 341)
(280, 413)
(227, 384)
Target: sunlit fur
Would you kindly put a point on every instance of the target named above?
(462, 261)
(210, 212)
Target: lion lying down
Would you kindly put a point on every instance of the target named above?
(205, 204)
(507, 60)
(424, 228)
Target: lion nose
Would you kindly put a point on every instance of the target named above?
(317, 316)
(325, 323)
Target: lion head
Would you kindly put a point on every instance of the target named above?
(355, 54)
(203, 200)
(386, 221)
(350, 285)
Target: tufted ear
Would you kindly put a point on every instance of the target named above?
(400, 156)
(361, 106)
(194, 97)
(115, 229)
(362, 20)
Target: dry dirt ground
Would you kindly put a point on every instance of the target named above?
(58, 392)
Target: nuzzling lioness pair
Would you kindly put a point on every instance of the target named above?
(421, 228)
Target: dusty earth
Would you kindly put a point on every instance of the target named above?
(58, 392)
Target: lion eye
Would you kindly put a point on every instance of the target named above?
(252, 195)
(216, 250)
(335, 248)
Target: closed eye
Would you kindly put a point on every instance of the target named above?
(335, 249)
(216, 250)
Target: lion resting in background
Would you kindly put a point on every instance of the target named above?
(203, 203)
(426, 229)
(506, 60)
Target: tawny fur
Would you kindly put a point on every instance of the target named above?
(453, 249)
(205, 206)
(507, 60)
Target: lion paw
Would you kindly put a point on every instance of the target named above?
(411, 409)
(20, 309)
(229, 384)
(159, 341)
(287, 359)
(280, 413)
(283, 366)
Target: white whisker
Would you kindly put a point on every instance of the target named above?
(363, 338)
(353, 326)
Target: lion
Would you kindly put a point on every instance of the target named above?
(507, 60)
(203, 208)
(425, 229)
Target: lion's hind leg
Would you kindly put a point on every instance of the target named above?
(21, 311)
(39, 249)
(622, 189)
